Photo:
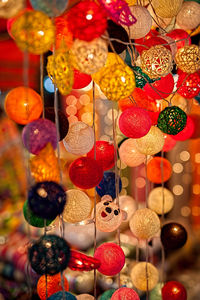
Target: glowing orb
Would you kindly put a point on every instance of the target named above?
(160, 200)
(130, 155)
(144, 275)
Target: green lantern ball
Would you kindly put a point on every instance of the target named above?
(107, 294)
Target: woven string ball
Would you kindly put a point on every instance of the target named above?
(125, 293)
(167, 8)
(49, 255)
(160, 200)
(156, 61)
(10, 8)
(189, 15)
(129, 154)
(172, 120)
(59, 296)
(107, 186)
(154, 170)
(174, 290)
(188, 59)
(144, 276)
(173, 236)
(188, 85)
(49, 7)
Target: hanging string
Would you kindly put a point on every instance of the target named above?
(162, 218)
(147, 252)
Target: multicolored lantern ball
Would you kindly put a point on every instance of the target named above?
(125, 293)
(159, 170)
(174, 290)
(130, 155)
(108, 184)
(160, 200)
(23, 105)
(173, 236)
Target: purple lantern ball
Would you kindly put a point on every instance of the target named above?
(37, 134)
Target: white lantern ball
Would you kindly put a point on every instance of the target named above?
(128, 204)
(129, 154)
(144, 276)
(160, 200)
(189, 15)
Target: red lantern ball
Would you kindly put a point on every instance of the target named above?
(134, 122)
(153, 116)
(188, 85)
(159, 169)
(105, 154)
(169, 143)
(112, 258)
(125, 293)
(187, 132)
(140, 42)
(163, 87)
(85, 172)
(81, 80)
(196, 119)
(63, 35)
(181, 37)
(174, 290)
(152, 41)
(87, 20)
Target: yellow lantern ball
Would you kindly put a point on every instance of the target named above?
(160, 200)
(34, 32)
(144, 276)
(10, 8)
(144, 224)
(188, 58)
(167, 8)
(189, 15)
(130, 155)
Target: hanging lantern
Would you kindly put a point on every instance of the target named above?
(159, 169)
(81, 262)
(169, 144)
(107, 186)
(160, 200)
(150, 40)
(127, 204)
(173, 236)
(59, 296)
(161, 88)
(81, 80)
(129, 154)
(63, 35)
(167, 8)
(85, 297)
(33, 32)
(52, 9)
(107, 294)
(141, 78)
(10, 8)
(125, 293)
(174, 290)
(187, 132)
(189, 15)
(112, 258)
(181, 37)
(188, 58)
(188, 85)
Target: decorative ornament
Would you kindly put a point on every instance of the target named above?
(10, 8)
(63, 35)
(187, 132)
(160, 200)
(23, 105)
(112, 258)
(78, 206)
(127, 204)
(150, 40)
(80, 138)
(90, 57)
(32, 219)
(49, 255)
(155, 294)
(144, 276)
(52, 9)
(161, 88)
(172, 120)
(167, 8)
(85, 172)
(125, 293)
(170, 143)
(81, 262)
(140, 77)
(85, 297)
(174, 290)
(189, 15)
(107, 186)
(159, 170)
(156, 61)
(188, 58)
(37, 134)
(33, 32)
(81, 80)
(173, 236)
(129, 154)
(59, 296)
(181, 37)
(47, 199)
(151, 143)
(188, 85)
(107, 294)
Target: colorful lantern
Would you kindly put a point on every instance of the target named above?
(107, 294)
(129, 154)
(10, 8)
(174, 290)
(159, 170)
(173, 236)
(160, 200)
(189, 15)
(125, 293)
(167, 8)
(141, 78)
(81, 262)
(188, 58)
(169, 144)
(144, 276)
(188, 85)
(107, 186)
(81, 80)
(181, 37)
(187, 132)
(52, 9)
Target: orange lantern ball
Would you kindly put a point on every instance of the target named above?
(53, 285)
(159, 169)
(23, 105)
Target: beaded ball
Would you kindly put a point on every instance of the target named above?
(189, 15)
(172, 120)
(188, 59)
(129, 154)
(33, 32)
(173, 236)
(78, 206)
(112, 258)
(145, 223)
(59, 296)
(107, 186)
(159, 169)
(160, 200)
(49, 7)
(32, 219)
(23, 105)
(156, 61)
(49, 255)
(125, 293)
(85, 172)
(10, 8)
(140, 77)
(80, 138)
(89, 57)
(188, 85)
(166, 8)
(144, 276)
(174, 290)
(47, 199)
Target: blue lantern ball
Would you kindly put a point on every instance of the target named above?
(107, 294)
(49, 255)
(107, 186)
(59, 296)
(51, 8)
(47, 199)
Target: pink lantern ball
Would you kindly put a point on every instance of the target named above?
(135, 122)
(164, 87)
(129, 154)
(187, 132)
(85, 172)
(125, 293)
(105, 154)
(112, 258)
(181, 37)
(169, 144)
(37, 134)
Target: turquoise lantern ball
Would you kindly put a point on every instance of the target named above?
(59, 296)
(51, 8)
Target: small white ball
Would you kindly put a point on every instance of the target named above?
(159, 196)
(142, 272)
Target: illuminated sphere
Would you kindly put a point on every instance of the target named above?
(154, 169)
(140, 77)
(173, 236)
(181, 37)
(49, 7)
(105, 153)
(189, 15)
(78, 206)
(47, 199)
(160, 200)
(112, 258)
(156, 61)
(81, 80)
(130, 155)
(90, 57)
(155, 294)
(167, 8)
(172, 120)
(161, 88)
(63, 35)
(91, 20)
(174, 290)
(187, 132)
(59, 296)
(170, 143)
(151, 39)
(80, 138)
(107, 294)
(23, 105)
(125, 293)
(37, 134)
(84, 297)
(49, 255)
(10, 8)
(32, 219)
(134, 122)
(33, 32)
(151, 143)
(53, 285)
(188, 85)
(107, 186)
(127, 204)
(85, 172)
(188, 58)
(142, 273)
(145, 223)
(143, 24)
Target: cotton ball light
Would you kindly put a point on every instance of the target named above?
(85, 297)
(173, 236)
(167, 8)
(170, 143)
(80, 138)
(180, 36)
(59, 296)
(187, 132)
(159, 169)
(78, 206)
(10, 8)
(127, 204)
(130, 155)
(145, 223)
(34, 220)
(189, 15)
(107, 294)
(174, 290)
(107, 186)
(155, 294)
(144, 276)
(188, 85)
(151, 143)
(125, 293)
(160, 200)
(112, 258)
(81, 80)
(52, 9)
(188, 59)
